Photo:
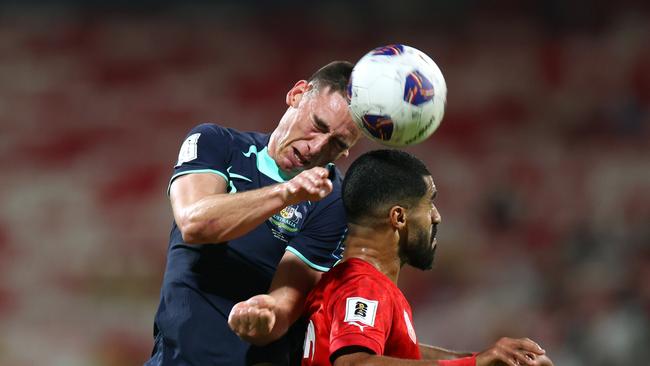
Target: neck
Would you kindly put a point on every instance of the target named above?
(376, 246)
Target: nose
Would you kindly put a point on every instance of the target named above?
(317, 144)
(435, 216)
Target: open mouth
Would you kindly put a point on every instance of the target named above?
(299, 157)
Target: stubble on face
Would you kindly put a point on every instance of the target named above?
(420, 248)
(419, 252)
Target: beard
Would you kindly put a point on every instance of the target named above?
(419, 252)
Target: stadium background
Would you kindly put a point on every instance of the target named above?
(542, 161)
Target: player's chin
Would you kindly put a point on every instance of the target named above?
(423, 265)
(423, 261)
(286, 164)
(291, 167)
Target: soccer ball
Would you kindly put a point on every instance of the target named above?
(397, 95)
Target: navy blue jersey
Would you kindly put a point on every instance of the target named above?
(203, 282)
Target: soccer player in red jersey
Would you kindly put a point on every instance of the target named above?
(357, 314)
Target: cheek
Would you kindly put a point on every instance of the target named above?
(283, 134)
(291, 134)
(424, 227)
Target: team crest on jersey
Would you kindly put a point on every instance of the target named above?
(409, 327)
(189, 149)
(288, 212)
(289, 219)
(360, 311)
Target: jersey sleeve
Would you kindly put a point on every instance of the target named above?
(320, 241)
(361, 316)
(206, 149)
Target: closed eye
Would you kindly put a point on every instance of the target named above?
(340, 144)
(321, 125)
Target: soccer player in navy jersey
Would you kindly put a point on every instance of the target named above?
(253, 213)
(357, 314)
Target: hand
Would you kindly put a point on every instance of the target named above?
(542, 360)
(253, 319)
(310, 185)
(511, 352)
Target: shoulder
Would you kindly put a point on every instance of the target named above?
(213, 133)
(350, 278)
(213, 130)
(357, 296)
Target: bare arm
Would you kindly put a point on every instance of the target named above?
(205, 213)
(362, 359)
(265, 318)
(438, 353)
(292, 283)
(506, 351)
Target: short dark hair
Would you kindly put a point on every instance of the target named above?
(334, 75)
(382, 178)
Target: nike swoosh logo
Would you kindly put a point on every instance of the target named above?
(237, 176)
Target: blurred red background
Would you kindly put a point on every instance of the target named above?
(542, 162)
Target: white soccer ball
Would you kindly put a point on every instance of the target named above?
(397, 95)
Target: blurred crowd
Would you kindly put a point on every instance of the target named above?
(542, 163)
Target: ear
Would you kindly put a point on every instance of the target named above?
(397, 217)
(295, 94)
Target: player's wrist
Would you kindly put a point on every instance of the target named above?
(463, 361)
(282, 194)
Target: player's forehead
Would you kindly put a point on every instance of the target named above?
(432, 191)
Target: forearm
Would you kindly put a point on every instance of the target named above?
(437, 353)
(365, 359)
(387, 361)
(221, 217)
(265, 318)
(292, 282)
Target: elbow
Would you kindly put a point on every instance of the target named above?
(196, 231)
(191, 235)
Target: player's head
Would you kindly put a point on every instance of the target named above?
(317, 128)
(392, 187)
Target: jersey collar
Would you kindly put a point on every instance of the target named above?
(266, 165)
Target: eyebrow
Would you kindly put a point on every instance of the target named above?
(321, 124)
(324, 127)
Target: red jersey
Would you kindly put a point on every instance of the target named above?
(356, 305)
